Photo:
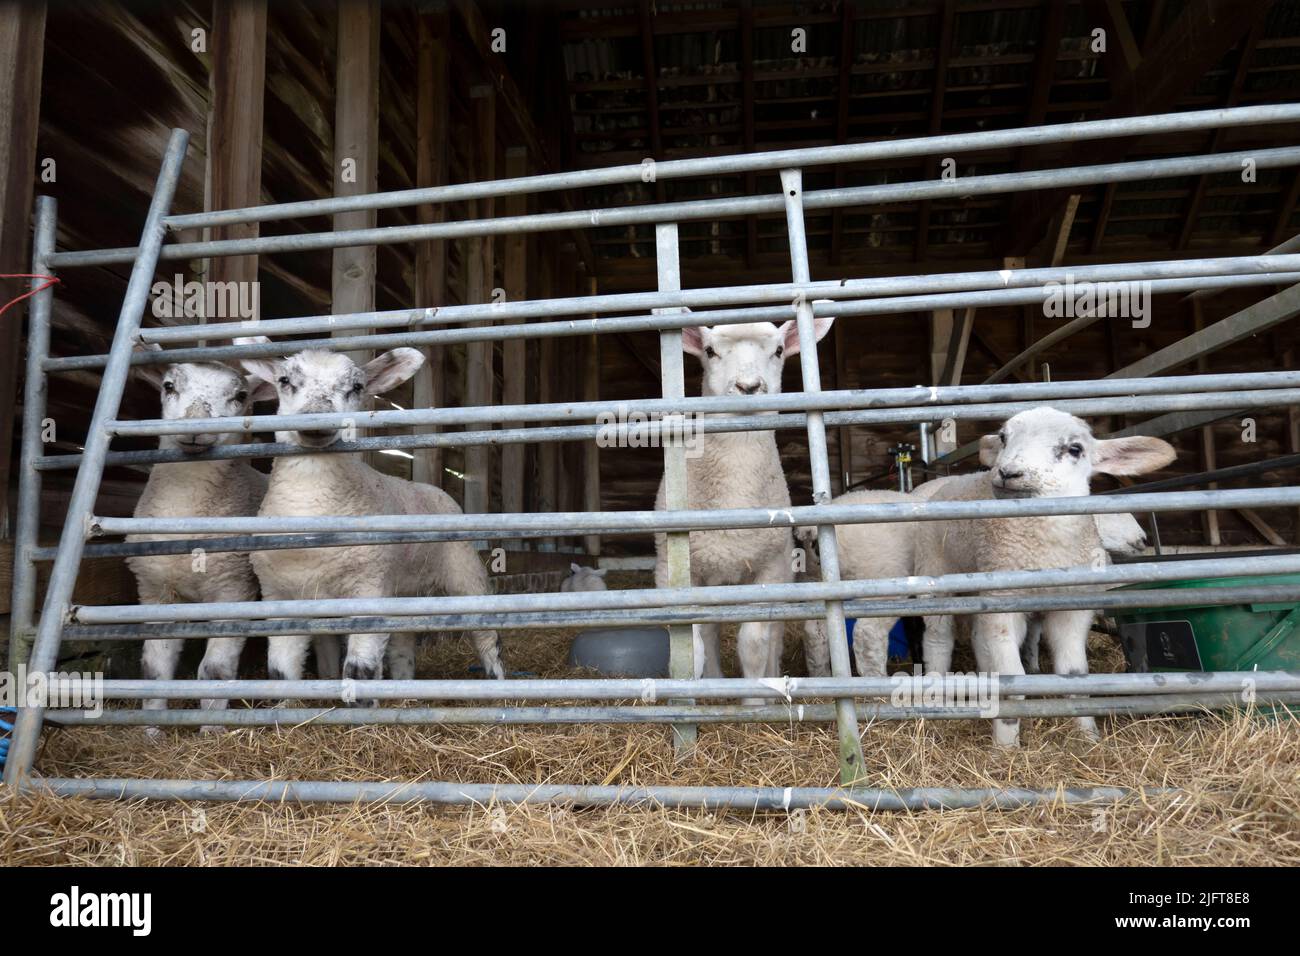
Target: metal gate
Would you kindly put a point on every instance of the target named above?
(670, 702)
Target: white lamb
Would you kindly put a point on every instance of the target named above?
(584, 579)
(738, 470)
(1038, 453)
(206, 489)
(342, 484)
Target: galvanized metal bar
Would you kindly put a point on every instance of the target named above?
(850, 743)
(677, 716)
(677, 550)
(27, 526)
(724, 296)
(704, 519)
(649, 690)
(707, 798)
(832, 591)
(63, 575)
(688, 614)
(696, 209)
(776, 159)
(988, 298)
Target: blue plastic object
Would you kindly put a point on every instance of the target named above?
(7, 715)
(898, 646)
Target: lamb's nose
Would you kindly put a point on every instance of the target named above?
(749, 388)
(1009, 475)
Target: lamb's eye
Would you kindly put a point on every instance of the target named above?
(779, 351)
(169, 388)
(241, 396)
(284, 381)
(1002, 437)
(357, 388)
(708, 350)
(1075, 450)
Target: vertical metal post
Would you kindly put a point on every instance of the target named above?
(28, 525)
(681, 642)
(63, 576)
(851, 768)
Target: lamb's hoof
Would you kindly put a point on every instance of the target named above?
(212, 730)
(153, 735)
(1088, 731)
(1006, 734)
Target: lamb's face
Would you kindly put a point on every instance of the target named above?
(584, 579)
(203, 390)
(745, 359)
(315, 382)
(1044, 453)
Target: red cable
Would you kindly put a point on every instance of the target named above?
(49, 281)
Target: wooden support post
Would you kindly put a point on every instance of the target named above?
(514, 351)
(844, 434)
(432, 161)
(1209, 458)
(22, 49)
(590, 450)
(548, 457)
(356, 152)
(237, 87)
(1293, 428)
(481, 270)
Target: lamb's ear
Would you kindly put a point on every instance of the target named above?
(574, 568)
(693, 339)
(1137, 455)
(599, 572)
(391, 369)
(153, 374)
(990, 446)
(259, 389)
(790, 333)
(268, 370)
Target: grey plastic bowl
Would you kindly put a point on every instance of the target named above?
(622, 651)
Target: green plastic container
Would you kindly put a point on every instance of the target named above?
(1200, 637)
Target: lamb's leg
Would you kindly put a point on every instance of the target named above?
(938, 641)
(708, 649)
(997, 651)
(1029, 650)
(365, 660)
(816, 649)
(1067, 637)
(158, 662)
(871, 645)
(286, 655)
(775, 647)
(401, 657)
(220, 662)
(328, 665)
(460, 572)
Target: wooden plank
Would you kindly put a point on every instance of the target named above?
(480, 272)
(432, 168)
(590, 450)
(548, 452)
(356, 153)
(22, 49)
(514, 351)
(1292, 427)
(1265, 530)
(237, 87)
(1209, 458)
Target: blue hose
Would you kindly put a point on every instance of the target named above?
(7, 715)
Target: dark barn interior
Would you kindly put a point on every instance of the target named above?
(427, 93)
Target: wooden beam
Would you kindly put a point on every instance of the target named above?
(1217, 138)
(237, 87)
(1264, 529)
(356, 152)
(480, 272)
(1119, 34)
(842, 102)
(548, 459)
(651, 87)
(432, 168)
(1292, 428)
(1209, 458)
(747, 119)
(1282, 230)
(590, 450)
(1193, 45)
(1103, 216)
(941, 57)
(1059, 232)
(22, 50)
(514, 351)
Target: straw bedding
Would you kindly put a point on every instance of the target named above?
(1241, 775)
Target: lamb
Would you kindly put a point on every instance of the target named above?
(342, 484)
(205, 489)
(1038, 453)
(738, 470)
(584, 579)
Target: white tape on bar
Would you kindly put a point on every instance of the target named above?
(779, 684)
(647, 691)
